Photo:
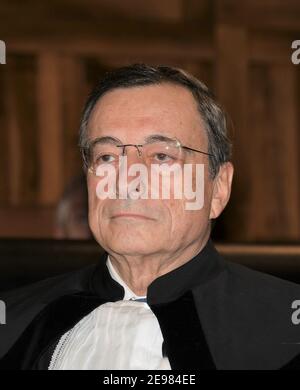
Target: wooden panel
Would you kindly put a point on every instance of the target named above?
(234, 249)
(241, 50)
(73, 96)
(27, 222)
(50, 136)
(94, 69)
(77, 22)
(24, 265)
(4, 157)
(201, 11)
(121, 49)
(203, 71)
(14, 138)
(274, 181)
(231, 90)
(21, 128)
(257, 14)
(271, 47)
(167, 10)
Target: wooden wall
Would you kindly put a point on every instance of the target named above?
(241, 49)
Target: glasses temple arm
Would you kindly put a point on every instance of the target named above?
(195, 150)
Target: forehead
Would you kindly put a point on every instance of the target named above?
(132, 114)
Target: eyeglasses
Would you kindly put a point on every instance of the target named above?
(157, 149)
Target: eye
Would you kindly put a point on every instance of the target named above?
(105, 159)
(162, 157)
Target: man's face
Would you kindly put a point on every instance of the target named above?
(131, 115)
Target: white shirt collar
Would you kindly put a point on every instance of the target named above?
(129, 294)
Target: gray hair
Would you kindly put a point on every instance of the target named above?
(219, 145)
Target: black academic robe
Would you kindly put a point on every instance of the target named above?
(213, 315)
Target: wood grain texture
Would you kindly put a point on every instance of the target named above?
(240, 49)
(50, 125)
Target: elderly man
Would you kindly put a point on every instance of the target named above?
(161, 297)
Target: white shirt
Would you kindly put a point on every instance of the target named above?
(122, 335)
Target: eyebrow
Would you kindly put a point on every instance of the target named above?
(105, 140)
(158, 137)
(163, 138)
(115, 140)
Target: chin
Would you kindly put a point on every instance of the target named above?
(132, 233)
(126, 248)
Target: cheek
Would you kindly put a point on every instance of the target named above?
(177, 217)
(94, 204)
(185, 222)
(93, 199)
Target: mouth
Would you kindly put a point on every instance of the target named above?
(131, 215)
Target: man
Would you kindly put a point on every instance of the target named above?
(161, 297)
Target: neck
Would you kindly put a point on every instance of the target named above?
(139, 271)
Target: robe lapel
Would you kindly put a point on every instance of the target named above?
(57, 318)
(293, 364)
(184, 341)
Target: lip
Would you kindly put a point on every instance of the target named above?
(131, 215)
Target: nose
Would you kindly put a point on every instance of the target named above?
(129, 184)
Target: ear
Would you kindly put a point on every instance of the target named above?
(221, 189)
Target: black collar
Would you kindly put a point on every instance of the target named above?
(206, 265)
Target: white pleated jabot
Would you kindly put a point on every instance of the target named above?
(115, 336)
